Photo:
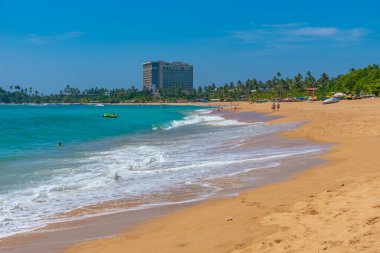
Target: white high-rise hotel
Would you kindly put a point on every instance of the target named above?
(160, 74)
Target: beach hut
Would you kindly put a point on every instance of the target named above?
(311, 91)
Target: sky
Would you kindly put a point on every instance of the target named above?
(48, 44)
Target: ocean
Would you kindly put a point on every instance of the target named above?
(148, 156)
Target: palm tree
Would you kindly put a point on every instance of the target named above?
(199, 92)
(323, 82)
(67, 89)
(277, 84)
(297, 80)
(309, 80)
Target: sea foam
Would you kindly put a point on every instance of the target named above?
(189, 154)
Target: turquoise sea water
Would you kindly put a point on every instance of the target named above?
(146, 156)
(35, 129)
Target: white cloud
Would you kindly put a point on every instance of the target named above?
(46, 39)
(358, 32)
(294, 33)
(315, 31)
(284, 25)
(249, 36)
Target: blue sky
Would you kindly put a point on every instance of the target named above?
(48, 44)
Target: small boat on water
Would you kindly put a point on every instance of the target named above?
(98, 105)
(331, 100)
(109, 115)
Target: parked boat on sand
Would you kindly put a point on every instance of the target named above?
(331, 100)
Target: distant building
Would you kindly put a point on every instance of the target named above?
(160, 74)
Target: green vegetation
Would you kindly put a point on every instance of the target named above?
(366, 80)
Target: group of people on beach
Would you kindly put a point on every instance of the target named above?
(276, 105)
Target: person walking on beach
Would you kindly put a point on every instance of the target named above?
(273, 106)
(278, 106)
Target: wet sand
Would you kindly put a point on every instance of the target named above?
(57, 237)
(334, 207)
(330, 208)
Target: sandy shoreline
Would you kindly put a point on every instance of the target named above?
(331, 207)
(118, 215)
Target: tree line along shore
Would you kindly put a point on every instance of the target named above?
(355, 81)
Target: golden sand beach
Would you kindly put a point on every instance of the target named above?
(331, 208)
